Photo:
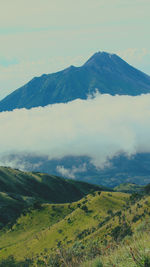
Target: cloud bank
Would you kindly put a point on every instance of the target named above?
(67, 172)
(100, 127)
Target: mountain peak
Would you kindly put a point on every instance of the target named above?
(100, 57)
(102, 54)
(105, 71)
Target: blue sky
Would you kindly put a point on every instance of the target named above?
(44, 36)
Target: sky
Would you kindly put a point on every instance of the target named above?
(91, 127)
(45, 36)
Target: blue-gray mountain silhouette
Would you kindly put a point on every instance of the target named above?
(107, 73)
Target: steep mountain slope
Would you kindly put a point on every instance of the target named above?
(106, 72)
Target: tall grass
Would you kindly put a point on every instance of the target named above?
(132, 252)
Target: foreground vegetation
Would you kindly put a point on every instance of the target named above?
(101, 229)
(107, 225)
(133, 252)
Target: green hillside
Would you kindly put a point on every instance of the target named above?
(72, 225)
(21, 190)
(50, 224)
(129, 188)
(75, 232)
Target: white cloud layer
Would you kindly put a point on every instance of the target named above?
(100, 128)
(71, 172)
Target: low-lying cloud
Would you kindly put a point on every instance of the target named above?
(71, 172)
(100, 127)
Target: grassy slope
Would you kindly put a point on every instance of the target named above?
(39, 185)
(133, 252)
(44, 228)
(47, 228)
(129, 188)
(19, 190)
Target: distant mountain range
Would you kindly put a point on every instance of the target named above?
(107, 73)
(120, 169)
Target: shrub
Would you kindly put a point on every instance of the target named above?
(97, 263)
(136, 218)
(84, 233)
(69, 220)
(85, 208)
(118, 213)
(120, 231)
(135, 197)
(110, 212)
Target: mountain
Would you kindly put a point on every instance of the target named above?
(103, 71)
